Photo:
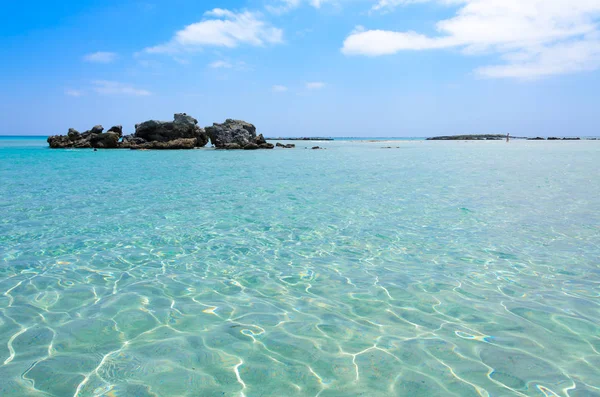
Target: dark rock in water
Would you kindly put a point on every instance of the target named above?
(316, 148)
(182, 127)
(539, 138)
(108, 140)
(231, 131)
(117, 129)
(552, 138)
(571, 139)
(286, 146)
(236, 134)
(59, 142)
(260, 140)
(231, 146)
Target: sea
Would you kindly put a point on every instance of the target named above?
(370, 268)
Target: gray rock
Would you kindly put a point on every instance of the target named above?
(182, 127)
(97, 129)
(108, 140)
(73, 134)
(117, 129)
(266, 146)
(260, 140)
(232, 131)
(286, 146)
(251, 146)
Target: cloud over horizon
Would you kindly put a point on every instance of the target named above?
(534, 38)
(100, 57)
(221, 28)
(105, 87)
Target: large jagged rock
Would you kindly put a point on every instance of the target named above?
(236, 134)
(182, 127)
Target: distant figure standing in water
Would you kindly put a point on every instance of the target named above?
(507, 137)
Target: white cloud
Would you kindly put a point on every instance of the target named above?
(535, 38)
(105, 87)
(283, 6)
(221, 28)
(220, 65)
(279, 88)
(316, 85)
(279, 7)
(100, 57)
(74, 93)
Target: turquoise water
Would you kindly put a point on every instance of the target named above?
(434, 269)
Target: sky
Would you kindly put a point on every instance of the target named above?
(345, 68)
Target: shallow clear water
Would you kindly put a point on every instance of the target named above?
(432, 269)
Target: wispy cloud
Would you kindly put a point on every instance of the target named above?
(220, 65)
(279, 88)
(315, 85)
(73, 93)
(534, 38)
(100, 57)
(279, 7)
(105, 87)
(221, 28)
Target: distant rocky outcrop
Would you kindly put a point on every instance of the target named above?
(236, 134)
(286, 146)
(539, 138)
(486, 137)
(92, 138)
(304, 138)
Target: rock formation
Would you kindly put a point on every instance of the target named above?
(93, 138)
(236, 134)
(181, 133)
(182, 127)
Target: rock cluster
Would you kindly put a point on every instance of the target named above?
(236, 134)
(181, 133)
(93, 138)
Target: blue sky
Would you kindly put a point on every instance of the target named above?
(304, 67)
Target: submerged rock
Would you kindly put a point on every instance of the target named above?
(236, 134)
(183, 126)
